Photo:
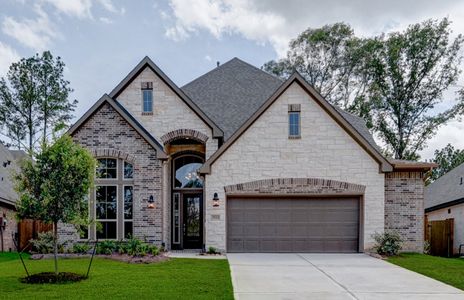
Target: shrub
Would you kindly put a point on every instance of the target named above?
(81, 248)
(106, 247)
(212, 250)
(389, 243)
(44, 243)
(426, 247)
(153, 250)
(133, 246)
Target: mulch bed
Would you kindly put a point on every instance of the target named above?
(50, 277)
(147, 259)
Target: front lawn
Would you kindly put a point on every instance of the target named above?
(173, 279)
(447, 270)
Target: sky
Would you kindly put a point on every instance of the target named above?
(102, 40)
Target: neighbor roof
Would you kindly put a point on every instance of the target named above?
(342, 120)
(446, 190)
(147, 62)
(126, 116)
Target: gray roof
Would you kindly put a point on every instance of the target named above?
(232, 92)
(445, 189)
(7, 191)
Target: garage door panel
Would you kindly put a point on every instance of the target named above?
(293, 225)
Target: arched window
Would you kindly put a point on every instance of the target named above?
(113, 199)
(186, 172)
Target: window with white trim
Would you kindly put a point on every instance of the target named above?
(128, 210)
(106, 210)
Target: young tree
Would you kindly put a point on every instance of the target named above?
(409, 74)
(447, 159)
(54, 186)
(34, 100)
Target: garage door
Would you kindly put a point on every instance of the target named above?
(292, 224)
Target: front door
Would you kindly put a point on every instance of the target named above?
(192, 221)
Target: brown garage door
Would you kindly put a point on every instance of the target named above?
(292, 224)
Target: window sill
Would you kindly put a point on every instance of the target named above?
(294, 137)
(147, 113)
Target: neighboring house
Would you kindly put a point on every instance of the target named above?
(8, 197)
(444, 199)
(242, 161)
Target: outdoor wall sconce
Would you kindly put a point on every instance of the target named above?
(151, 202)
(215, 200)
(3, 222)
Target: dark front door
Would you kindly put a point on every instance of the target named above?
(192, 221)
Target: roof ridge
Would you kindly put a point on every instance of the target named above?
(208, 72)
(259, 69)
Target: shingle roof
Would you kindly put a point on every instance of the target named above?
(232, 92)
(446, 188)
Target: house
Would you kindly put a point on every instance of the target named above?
(444, 199)
(241, 161)
(8, 226)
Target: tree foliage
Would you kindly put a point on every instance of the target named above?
(54, 186)
(394, 81)
(34, 100)
(447, 159)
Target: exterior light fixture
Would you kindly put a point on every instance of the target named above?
(151, 202)
(215, 200)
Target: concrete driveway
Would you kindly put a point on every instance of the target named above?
(329, 276)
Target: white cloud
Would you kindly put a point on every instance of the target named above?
(106, 20)
(73, 8)
(33, 33)
(8, 55)
(225, 17)
(277, 21)
(208, 58)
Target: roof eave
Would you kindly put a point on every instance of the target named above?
(384, 165)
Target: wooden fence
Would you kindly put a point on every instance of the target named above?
(440, 235)
(28, 229)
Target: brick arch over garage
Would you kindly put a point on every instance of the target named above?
(113, 153)
(294, 186)
(184, 133)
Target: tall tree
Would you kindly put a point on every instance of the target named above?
(34, 100)
(327, 57)
(447, 159)
(53, 187)
(410, 72)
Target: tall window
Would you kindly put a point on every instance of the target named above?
(113, 199)
(294, 121)
(147, 97)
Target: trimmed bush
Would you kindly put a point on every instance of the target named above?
(106, 247)
(389, 243)
(81, 248)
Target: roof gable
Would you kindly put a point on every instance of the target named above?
(230, 93)
(148, 63)
(127, 117)
(384, 165)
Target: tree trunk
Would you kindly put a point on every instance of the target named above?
(55, 246)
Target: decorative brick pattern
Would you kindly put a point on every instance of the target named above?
(113, 153)
(107, 134)
(404, 207)
(315, 186)
(324, 151)
(184, 133)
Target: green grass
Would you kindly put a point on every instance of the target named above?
(173, 279)
(6, 256)
(447, 270)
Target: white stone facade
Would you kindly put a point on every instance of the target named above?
(169, 111)
(264, 151)
(456, 213)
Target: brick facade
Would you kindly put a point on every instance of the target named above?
(11, 228)
(294, 186)
(107, 134)
(404, 207)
